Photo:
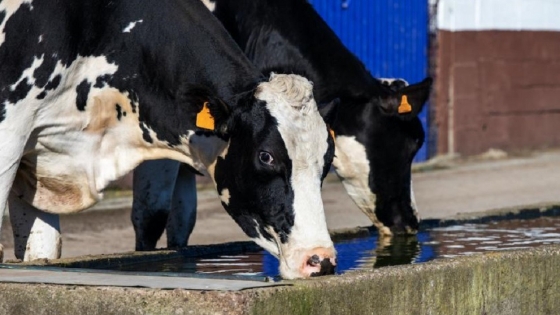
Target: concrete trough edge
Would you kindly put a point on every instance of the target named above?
(516, 282)
(513, 282)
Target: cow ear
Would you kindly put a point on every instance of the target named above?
(213, 115)
(408, 101)
(329, 110)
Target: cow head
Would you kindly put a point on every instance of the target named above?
(269, 174)
(374, 152)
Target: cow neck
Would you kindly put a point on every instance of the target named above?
(273, 44)
(206, 58)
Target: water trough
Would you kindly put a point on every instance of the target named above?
(438, 272)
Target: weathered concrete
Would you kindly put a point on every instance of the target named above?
(520, 282)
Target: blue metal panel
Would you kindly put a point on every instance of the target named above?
(389, 36)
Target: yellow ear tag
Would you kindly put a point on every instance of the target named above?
(204, 118)
(404, 107)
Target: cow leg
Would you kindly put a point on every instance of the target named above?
(2, 210)
(36, 233)
(153, 185)
(12, 149)
(3, 206)
(182, 218)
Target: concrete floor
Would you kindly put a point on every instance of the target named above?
(444, 189)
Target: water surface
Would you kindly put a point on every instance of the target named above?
(368, 252)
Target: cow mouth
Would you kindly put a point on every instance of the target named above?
(315, 267)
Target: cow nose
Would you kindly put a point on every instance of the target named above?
(319, 263)
(327, 267)
(314, 260)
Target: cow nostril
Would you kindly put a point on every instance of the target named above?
(314, 260)
(327, 268)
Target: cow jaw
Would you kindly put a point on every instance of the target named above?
(352, 166)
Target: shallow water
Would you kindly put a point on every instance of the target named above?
(367, 253)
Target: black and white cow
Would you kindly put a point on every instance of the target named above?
(91, 88)
(377, 129)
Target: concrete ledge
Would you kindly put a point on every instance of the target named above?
(519, 282)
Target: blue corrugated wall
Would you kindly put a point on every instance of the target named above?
(389, 36)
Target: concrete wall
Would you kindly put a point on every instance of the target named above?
(498, 75)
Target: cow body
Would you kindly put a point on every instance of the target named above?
(89, 89)
(375, 141)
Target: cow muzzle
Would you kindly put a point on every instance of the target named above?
(319, 261)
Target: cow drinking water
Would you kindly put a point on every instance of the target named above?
(91, 88)
(377, 129)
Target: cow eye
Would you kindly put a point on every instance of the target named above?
(266, 158)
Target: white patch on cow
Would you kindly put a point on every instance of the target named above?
(75, 154)
(210, 4)
(130, 26)
(9, 7)
(289, 99)
(413, 202)
(269, 246)
(352, 166)
(388, 81)
(224, 196)
(40, 39)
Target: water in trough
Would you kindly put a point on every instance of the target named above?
(368, 252)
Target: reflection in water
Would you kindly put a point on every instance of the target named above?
(370, 252)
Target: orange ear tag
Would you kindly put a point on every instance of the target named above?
(204, 118)
(404, 107)
(331, 132)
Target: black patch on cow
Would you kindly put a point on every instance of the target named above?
(146, 133)
(42, 95)
(43, 72)
(124, 114)
(53, 84)
(134, 100)
(119, 111)
(328, 157)
(271, 201)
(20, 92)
(83, 91)
(101, 80)
(2, 16)
(2, 112)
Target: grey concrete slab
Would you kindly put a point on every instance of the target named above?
(126, 280)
